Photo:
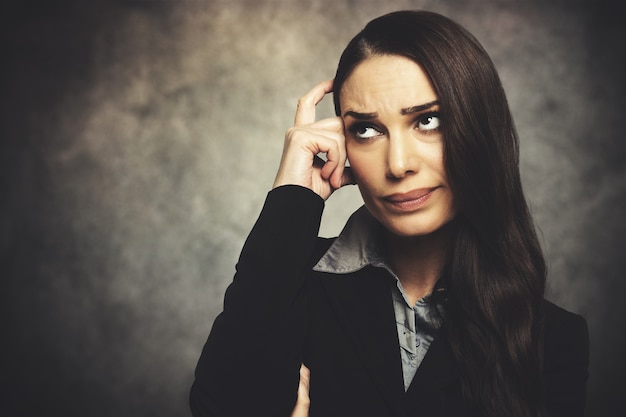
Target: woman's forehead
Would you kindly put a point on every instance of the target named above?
(388, 82)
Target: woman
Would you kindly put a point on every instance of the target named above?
(430, 302)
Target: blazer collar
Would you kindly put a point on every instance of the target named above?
(436, 371)
(363, 304)
(357, 246)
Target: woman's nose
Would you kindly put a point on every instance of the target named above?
(402, 156)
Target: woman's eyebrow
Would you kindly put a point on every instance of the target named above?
(360, 116)
(420, 108)
(404, 112)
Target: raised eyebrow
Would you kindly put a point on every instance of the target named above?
(420, 108)
(360, 116)
(404, 112)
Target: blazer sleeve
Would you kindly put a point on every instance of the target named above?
(250, 363)
(566, 362)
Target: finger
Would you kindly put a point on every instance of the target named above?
(335, 162)
(347, 178)
(333, 124)
(303, 402)
(305, 375)
(302, 147)
(305, 114)
(334, 170)
(327, 139)
(321, 142)
(341, 176)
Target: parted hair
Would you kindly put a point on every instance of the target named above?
(495, 276)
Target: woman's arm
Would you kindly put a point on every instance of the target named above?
(249, 364)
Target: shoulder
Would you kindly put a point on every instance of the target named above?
(563, 329)
(566, 361)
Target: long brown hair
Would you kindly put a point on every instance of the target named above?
(495, 276)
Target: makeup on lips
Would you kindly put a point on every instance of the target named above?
(410, 201)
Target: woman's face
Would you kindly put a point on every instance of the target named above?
(394, 145)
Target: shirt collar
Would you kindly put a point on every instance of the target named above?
(357, 246)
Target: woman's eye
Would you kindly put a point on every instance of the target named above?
(365, 132)
(429, 122)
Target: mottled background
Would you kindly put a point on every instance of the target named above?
(139, 139)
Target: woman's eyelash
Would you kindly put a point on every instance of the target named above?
(429, 118)
(424, 116)
(360, 129)
(426, 122)
(357, 126)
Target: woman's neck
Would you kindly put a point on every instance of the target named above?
(418, 261)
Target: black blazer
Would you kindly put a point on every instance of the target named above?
(279, 313)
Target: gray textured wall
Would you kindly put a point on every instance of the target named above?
(139, 139)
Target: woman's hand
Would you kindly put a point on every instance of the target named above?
(300, 163)
(302, 405)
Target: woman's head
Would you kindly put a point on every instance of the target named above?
(391, 119)
(480, 150)
(495, 274)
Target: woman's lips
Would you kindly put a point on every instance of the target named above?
(410, 201)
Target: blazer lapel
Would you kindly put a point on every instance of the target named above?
(363, 304)
(436, 371)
